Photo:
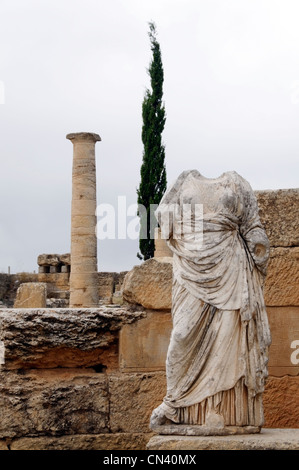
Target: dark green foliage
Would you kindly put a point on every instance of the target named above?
(153, 172)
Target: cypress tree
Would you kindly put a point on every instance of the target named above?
(153, 172)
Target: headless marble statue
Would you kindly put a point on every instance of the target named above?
(217, 357)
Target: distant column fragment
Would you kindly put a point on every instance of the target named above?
(83, 277)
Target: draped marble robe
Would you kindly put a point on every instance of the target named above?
(217, 357)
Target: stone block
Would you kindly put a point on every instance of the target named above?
(46, 338)
(48, 260)
(55, 281)
(117, 298)
(284, 349)
(53, 402)
(119, 280)
(282, 281)
(118, 441)
(143, 345)
(279, 213)
(65, 258)
(150, 284)
(268, 439)
(31, 295)
(281, 402)
(106, 285)
(3, 445)
(132, 400)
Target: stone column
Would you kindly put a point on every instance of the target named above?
(83, 277)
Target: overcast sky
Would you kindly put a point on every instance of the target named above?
(231, 94)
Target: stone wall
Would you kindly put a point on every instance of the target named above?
(61, 386)
(110, 283)
(279, 213)
(89, 379)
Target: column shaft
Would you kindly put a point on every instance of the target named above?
(83, 277)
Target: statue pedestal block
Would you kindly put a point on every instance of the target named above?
(267, 439)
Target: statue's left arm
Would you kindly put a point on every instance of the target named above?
(252, 230)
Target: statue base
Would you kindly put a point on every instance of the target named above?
(266, 439)
(202, 430)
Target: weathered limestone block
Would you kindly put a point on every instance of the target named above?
(117, 298)
(118, 441)
(53, 402)
(150, 284)
(268, 439)
(106, 285)
(119, 280)
(132, 398)
(281, 402)
(46, 338)
(3, 445)
(48, 260)
(65, 258)
(55, 281)
(143, 345)
(279, 213)
(31, 295)
(282, 281)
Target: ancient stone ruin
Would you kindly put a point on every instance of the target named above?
(31, 295)
(89, 378)
(79, 375)
(53, 263)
